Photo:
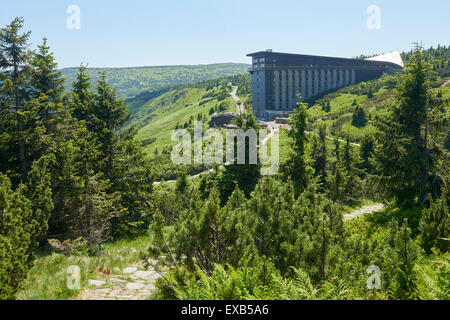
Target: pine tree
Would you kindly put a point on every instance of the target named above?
(403, 253)
(23, 221)
(320, 157)
(109, 114)
(434, 224)
(405, 152)
(82, 97)
(365, 153)
(14, 91)
(297, 168)
(122, 160)
(359, 117)
(246, 175)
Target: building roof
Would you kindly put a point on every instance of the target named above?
(393, 57)
(304, 59)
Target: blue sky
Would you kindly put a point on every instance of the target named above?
(169, 32)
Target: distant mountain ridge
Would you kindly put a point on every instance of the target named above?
(130, 81)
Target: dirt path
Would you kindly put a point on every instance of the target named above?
(239, 106)
(131, 283)
(364, 210)
(190, 177)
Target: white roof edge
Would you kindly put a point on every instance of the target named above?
(393, 57)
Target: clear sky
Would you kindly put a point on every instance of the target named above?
(168, 32)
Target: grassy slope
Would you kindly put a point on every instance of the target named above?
(175, 106)
(132, 81)
(340, 116)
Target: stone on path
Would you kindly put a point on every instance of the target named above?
(130, 270)
(102, 291)
(116, 281)
(96, 283)
(115, 293)
(135, 286)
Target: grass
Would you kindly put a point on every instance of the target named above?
(186, 104)
(47, 279)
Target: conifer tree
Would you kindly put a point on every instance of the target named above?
(405, 152)
(82, 97)
(434, 224)
(365, 153)
(320, 157)
(297, 168)
(24, 216)
(14, 91)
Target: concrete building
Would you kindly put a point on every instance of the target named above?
(278, 78)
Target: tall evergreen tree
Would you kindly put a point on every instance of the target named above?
(14, 91)
(297, 168)
(320, 156)
(82, 96)
(405, 152)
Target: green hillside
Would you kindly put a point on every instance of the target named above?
(351, 110)
(179, 107)
(132, 81)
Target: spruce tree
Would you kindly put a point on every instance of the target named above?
(82, 97)
(405, 151)
(320, 157)
(14, 92)
(296, 168)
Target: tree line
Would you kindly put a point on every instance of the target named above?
(68, 169)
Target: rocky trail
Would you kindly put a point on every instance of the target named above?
(364, 210)
(132, 283)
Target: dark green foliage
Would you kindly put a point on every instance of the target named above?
(23, 221)
(405, 151)
(14, 90)
(359, 117)
(365, 153)
(402, 253)
(245, 176)
(296, 167)
(435, 224)
(320, 155)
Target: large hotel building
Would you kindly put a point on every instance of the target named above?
(277, 78)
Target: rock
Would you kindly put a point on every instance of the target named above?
(96, 283)
(140, 281)
(102, 291)
(135, 286)
(130, 270)
(143, 274)
(117, 281)
(115, 293)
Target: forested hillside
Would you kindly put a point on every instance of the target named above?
(132, 81)
(361, 217)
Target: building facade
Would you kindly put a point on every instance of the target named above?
(278, 78)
